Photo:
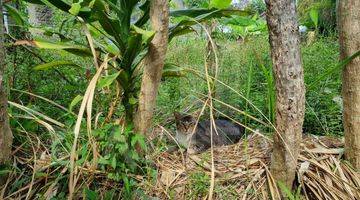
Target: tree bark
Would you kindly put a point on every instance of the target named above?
(6, 136)
(153, 65)
(290, 90)
(349, 30)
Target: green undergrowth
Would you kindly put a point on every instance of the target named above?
(238, 62)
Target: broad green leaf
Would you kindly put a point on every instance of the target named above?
(15, 15)
(104, 40)
(173, 70)
(85, 12)
(240, 21)
(113, 162)
(43, 44)
(113, 27)
(220, 4)
(146, 35)
(107, 80)
(314, 15)
(124, 79)
(75, 8)
(52, 45)
(145, 8)
(134, 47)
(91, 3)
(95, 31)
(195, 16)
(54, 64)
(112, 48)
(196, 12)
(75, 101)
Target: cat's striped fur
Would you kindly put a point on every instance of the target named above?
(197, 137)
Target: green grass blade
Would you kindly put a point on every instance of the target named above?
(332, 70)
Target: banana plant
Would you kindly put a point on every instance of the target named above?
(119, 28)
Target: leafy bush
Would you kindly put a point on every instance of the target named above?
(120, 158)
(244, 27)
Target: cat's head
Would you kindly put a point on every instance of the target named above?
(185, 123)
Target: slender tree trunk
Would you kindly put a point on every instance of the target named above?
(153, 65)
(290, 89)
(6, 136)
(349, 29)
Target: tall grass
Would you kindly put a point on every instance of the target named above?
(246, 67)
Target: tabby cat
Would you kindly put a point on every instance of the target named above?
(197, 137)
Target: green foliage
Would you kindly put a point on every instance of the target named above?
(199, 183)
(270, 86)
(220, 4)
(314, 16)
(111, 22)
(107, 80)
(244, 27)
(15, 15)
(325, 11)
(90, 195)
(128, 46)
(120, 158)
(44, 44)
(323, 115)
(75, 101)
(289, 194)
(323, 112)
(257, 6)
(54, 64)
(195, 16)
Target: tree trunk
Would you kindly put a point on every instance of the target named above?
(6, 136)
(290, 89)
(349, 29)
(153, 65)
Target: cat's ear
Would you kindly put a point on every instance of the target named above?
(177, 116)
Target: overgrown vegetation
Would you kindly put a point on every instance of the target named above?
(48, 74)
